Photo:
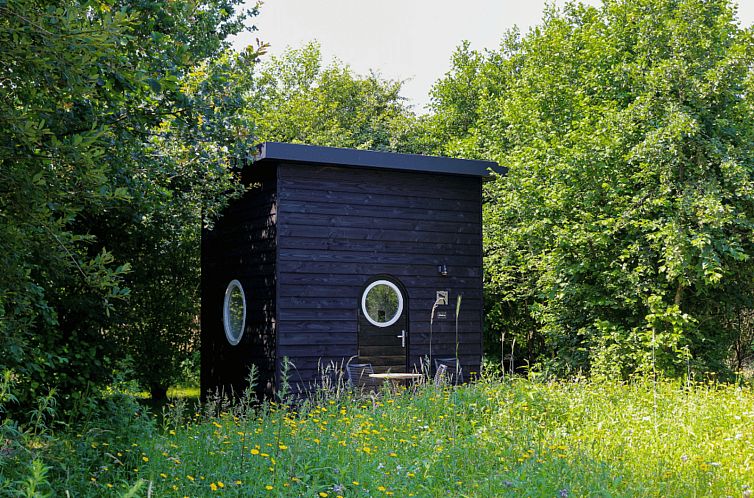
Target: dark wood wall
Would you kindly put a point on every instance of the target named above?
(241, 246)
(337, 227)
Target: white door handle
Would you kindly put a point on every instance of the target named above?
(403, 338)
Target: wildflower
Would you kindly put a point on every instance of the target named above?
(146, 459)
(338, 488)
(163, 475)
(323, 494)
(563, 493)
(190, 478)
(381, 488)
(220, 484)
(213, 486)
(282, 447)
(255, 451)
(268, 488)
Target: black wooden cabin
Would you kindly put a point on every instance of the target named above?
(335, 254)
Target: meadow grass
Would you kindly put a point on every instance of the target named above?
(491, 438)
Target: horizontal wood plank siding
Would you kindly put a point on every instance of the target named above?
(242, 246)
(337, 227)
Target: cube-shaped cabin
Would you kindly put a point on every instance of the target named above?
(336, 254)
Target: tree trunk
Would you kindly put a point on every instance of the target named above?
(158, 393)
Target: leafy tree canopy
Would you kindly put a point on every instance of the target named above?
(624, 227)
(297, 98)
(118, 120)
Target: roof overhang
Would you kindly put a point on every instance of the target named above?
(312, 154)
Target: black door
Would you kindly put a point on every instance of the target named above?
(383, 325)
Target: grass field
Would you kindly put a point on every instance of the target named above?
(512, 438)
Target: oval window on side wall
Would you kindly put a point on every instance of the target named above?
(382, 303)
(234, 312)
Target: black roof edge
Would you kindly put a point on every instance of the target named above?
(315, 154)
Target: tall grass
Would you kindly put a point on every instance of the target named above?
(489, 439)
(492, 438)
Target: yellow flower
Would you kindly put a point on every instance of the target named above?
(268, 488)
(255, 451)
(146, 459)
(381, 488)
(283, 447)
(213, 486)
(190, 478)
(323, 494)
(163, 475)
(220, 484)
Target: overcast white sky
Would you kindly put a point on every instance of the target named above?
(401, 39)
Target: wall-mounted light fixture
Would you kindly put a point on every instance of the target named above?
(442, 270)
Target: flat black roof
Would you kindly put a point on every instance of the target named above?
(312, 154)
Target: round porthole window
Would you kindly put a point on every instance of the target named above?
(234, 312)
(382, 303)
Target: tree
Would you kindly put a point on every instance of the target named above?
(296, 98)
(191, 159)
(621, 239)
(110, 128)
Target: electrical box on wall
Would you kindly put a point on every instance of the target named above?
(442, 298)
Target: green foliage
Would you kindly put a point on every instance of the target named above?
(118, 118)
(189, 158)
(296, 98)
(527, 438)
(44, 457)
(621, 239)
